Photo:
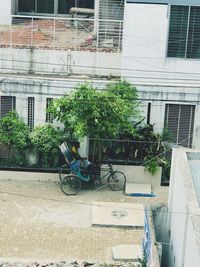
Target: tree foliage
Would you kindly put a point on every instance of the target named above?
(13, 131)
(46, 139)
(88, 111)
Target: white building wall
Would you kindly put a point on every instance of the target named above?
(184, 249)
(177, 216)
(5, 12)
(41, 88)
(159, 96)
(159, 79)
(145, 47)
(59, 62)
(192, 255)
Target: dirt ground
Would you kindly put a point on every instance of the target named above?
(43, 32)
(37, 221)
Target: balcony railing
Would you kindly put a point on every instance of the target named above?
(62, 33)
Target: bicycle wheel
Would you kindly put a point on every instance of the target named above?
(116, 181)
(70, 185)
(64, 171)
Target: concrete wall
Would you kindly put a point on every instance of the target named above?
(145, 41)
(159, 79)
(160, 215)
(184, 246)
(59, 62)
(28, 176)
(191, 251)
(178, 218)
(138, 174)
(5, 12)
(143, 177)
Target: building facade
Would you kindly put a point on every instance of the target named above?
(161, 57)
(184, 209)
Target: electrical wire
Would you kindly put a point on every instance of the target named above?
(101, 67)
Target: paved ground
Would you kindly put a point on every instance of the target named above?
(37, 221)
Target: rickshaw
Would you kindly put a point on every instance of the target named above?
(75, 174)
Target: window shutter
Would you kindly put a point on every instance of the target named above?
(180, 122)
(193, 48)
(7, 103)
(49, 115)
(178, 31)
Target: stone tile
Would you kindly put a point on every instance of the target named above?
(127, 252)
(117, 214)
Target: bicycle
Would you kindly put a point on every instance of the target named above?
(71, 184)
(79, 172)
(64, 170)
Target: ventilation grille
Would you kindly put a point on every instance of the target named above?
(31, 112)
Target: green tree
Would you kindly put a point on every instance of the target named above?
(14, 133)
(98, 113)
(46, 140)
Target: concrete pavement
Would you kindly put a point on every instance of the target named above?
(37, 221)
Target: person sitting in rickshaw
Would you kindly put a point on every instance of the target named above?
(74, 150)
(83, 163)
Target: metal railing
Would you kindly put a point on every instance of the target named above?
(62, 33)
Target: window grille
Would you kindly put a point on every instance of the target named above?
(49, 115)
(179, 119)
(31, 112)
(7, 103)
(184, 32)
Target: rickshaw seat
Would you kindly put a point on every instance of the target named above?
(67, 153)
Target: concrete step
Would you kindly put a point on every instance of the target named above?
(135, 189)
(127, 253)
(118, 214)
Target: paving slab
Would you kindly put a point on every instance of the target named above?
(134, 188)
(127, 252)
(40, 224)
(117, 214)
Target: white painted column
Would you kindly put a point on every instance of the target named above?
(5, 12)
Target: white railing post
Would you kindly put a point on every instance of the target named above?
(96, 22)
(54, 32)
(76, 34)
(119, 41)
(31, 31)
(11, 44)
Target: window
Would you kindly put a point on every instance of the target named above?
(7, 103)
(184, 32)
(49, 116)
(38, 6)
(52, 6)
(179, 120)
(31, 111)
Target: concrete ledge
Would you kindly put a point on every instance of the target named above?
(143, 189)
(138, 175)
(28, 176)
